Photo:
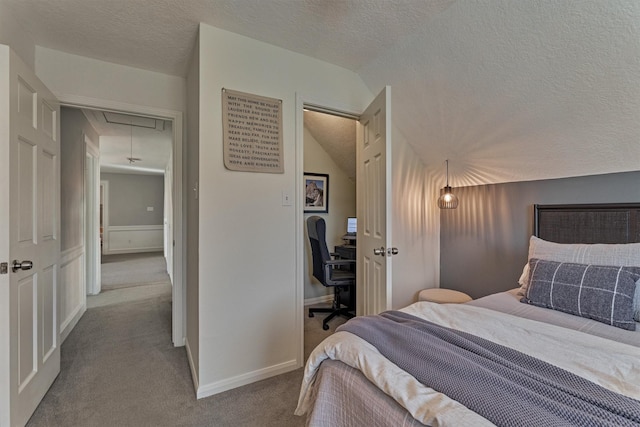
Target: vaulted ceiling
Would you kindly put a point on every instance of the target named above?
(507, 90)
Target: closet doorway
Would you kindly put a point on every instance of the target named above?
(329, 147)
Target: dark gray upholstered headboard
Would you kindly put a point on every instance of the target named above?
(595, 223)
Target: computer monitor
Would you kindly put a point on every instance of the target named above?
(352, 225)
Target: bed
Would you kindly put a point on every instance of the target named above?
(357, 377)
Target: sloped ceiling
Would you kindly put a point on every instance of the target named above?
(520, 90)
(507, 90)
(158, 35)
(337, 136)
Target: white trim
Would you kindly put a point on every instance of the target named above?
(92, 217)
(139, 238)
(70, 254)
(138, 250)
(299, 227)
(244, 379)
(178, 294)
(327, 105)
(67, 257)
(136, 227)
(105, 215)
(92, 148)
(71, 323)
(192, 367)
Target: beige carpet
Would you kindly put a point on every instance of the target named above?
(119, 368)
(313, 332)
(129, 270)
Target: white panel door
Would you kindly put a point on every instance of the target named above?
(373, 210)
(32, 230)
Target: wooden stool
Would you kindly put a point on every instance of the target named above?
(441, 296)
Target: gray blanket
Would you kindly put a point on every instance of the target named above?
(505, 386)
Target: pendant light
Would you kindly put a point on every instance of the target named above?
(447, 199)
(131, 158)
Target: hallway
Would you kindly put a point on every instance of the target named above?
(119, 367)
(131, 277)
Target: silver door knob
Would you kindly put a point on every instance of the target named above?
(379, 251)
(24, 265)
(392, 251)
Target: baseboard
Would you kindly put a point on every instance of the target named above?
(71, 323)
(192, 367)
(133, 250)
(244, 379)
(318, 300)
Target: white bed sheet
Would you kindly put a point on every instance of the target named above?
(509, 302)
(611, 364)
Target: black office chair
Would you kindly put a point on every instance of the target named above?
(338, 273)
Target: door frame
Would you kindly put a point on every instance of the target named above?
(92, 216)
(104, 188)
(329, 107)
(178, 312)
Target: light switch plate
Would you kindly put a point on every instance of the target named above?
(286, 198)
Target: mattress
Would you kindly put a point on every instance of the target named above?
(342, 395)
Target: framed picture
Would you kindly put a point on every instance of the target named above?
(316, 192)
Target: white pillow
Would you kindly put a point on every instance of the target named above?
(627, 255)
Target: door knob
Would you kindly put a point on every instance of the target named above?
(24, 265)
(379, 251)
(392, 251)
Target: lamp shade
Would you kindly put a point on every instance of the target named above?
(447, 199)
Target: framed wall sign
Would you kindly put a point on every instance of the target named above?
(252, 132)
(316, 192)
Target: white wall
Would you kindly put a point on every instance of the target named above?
(72, 75)
(192, 171)
(415, 226)
(12, 35)
(250, 309)
(342, 204)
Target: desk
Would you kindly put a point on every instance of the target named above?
(348, 252)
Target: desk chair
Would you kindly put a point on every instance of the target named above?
(335, 273)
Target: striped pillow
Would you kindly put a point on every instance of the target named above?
(598, 292)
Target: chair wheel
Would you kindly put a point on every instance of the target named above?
(325, 326)
(310, 314)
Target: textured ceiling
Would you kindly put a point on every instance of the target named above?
(337, 136)
(159, 35)
(519, 90)
(507, 90)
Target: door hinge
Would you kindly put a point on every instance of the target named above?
(4, 267)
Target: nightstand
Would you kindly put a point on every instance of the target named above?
(442, 296)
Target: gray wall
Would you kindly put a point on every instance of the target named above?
(484, 243)
(129, 197)
(73, 127)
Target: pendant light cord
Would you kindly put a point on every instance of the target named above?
(447, 172)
